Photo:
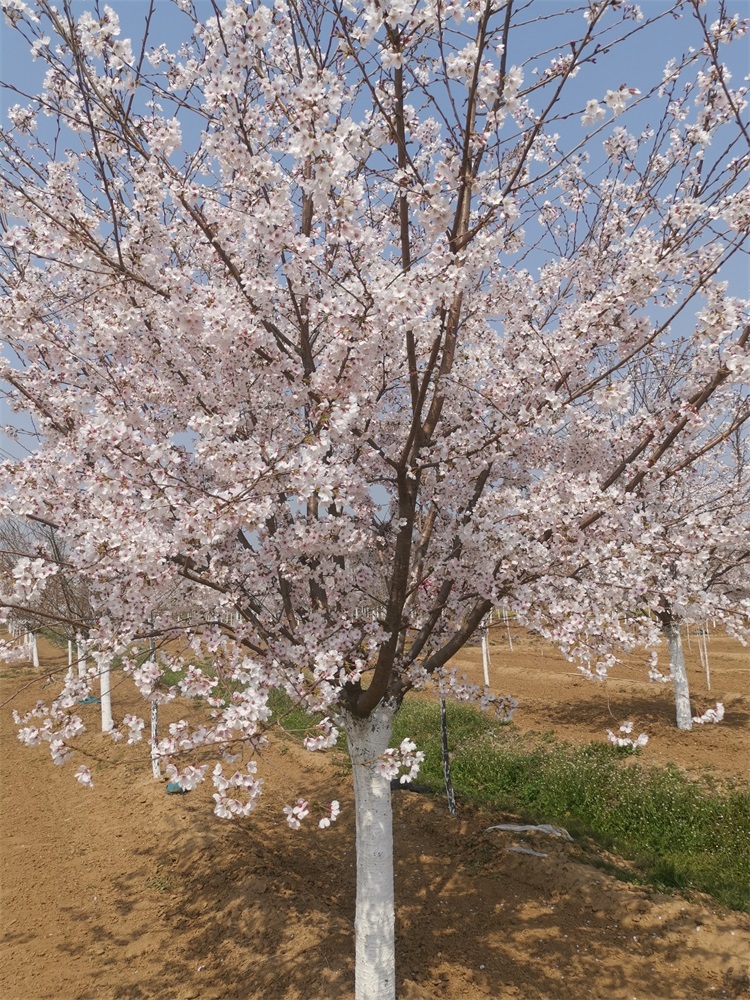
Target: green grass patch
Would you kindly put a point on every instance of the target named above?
(679, 833)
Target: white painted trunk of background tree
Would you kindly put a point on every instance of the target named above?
(155, 763)
(104, 695)
(81, 656)
(679, 677)
(486, 656)
(375, 962)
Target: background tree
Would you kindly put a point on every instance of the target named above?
(57, 603)
(686, 563)
(705, 579)
(343, 305)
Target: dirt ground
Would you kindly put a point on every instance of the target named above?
(125, 892)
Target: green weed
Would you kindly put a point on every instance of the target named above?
(679, 833)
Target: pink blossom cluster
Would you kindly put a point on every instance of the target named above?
(188, 777)
(83, 775)
(402, 762)
(147, 677)
(58, 725)
(196, 683)
(296, 813)
(325, 738)
(715, 714)
(333, 814)
(227, 804)
(625, 741)
(134, 726)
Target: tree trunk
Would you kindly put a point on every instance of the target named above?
(375, 962)
(81, 656)
(486, 656)
(105, 696)
(155, 762)
(679, 677)
(450, 794)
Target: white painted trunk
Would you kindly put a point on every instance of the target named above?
(375, 963)
(486, 656)
(81, 656)
(705, 653)
(104, 695)
(155, 764)
(507, 626)
(70, 653)
(34, 652)
(679, 677)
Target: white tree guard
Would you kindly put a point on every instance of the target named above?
(374, 920)
(679, 677)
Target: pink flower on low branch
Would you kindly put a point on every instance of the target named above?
(135, 726)
(624, 741)
(59, 751)
(297, 813)
(188, 777)
(83, 774)
(333, 814)
(402, 763)
(715, 714)
(326, 737)
(227, 803)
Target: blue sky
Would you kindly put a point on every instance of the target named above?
(643, 58)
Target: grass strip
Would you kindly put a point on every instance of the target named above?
(680, 833)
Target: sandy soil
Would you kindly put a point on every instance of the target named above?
(125, 892)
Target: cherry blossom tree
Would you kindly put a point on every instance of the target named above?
(687, 563)
(690, 565)
(343, 306)
(707, 576)
(60, 601)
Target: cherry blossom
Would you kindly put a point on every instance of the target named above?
(625, 741)
(227, 804)
(338, 329)
(297, 813)
(327, 736)
(333, 814)
(715, 714)
(594, 113)
(188, 777)
(83, 774)
(616, 100)
(134, 726)
(402, 763)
